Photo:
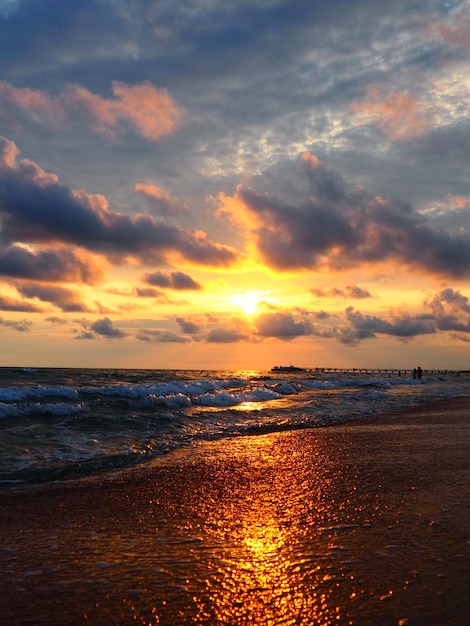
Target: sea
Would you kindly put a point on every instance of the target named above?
(61, 424)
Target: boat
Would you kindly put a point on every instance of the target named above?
(287, 368)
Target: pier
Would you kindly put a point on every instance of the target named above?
(380, 371)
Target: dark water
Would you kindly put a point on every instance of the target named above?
(61, 423)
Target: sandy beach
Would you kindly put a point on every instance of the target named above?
(366, 523)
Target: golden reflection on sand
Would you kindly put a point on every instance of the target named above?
(352, 526)
(262, 574)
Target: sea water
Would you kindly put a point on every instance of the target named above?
(57, 424)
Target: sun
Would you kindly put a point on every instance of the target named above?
(247, 301)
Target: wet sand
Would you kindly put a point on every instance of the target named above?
(364, 524)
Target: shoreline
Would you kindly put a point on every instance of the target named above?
(361, 523)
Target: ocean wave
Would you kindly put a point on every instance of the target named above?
(59, 409)
(95, 421)
(224, 399)
(26, 394)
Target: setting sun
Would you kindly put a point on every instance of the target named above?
(248, 301)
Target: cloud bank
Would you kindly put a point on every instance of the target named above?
(36, 208)
(330, 223)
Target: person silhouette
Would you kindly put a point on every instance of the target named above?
(419, 372)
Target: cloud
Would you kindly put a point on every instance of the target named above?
(105, 328)
(282, 325)
(85, 334)
(10, 304)
(456, 299)
(226, 335)
(325, 222)
(147, 292)
(65, 299)
(229, 330)
(20, 326)
(36, 208)
(57, 320)
(368, 326)
(150, 111)
(456, 32)
(350, 291)
(188, 326)
(399, 116)
(160, 200)
(52, 265)
(160, 336)
(451, 309)
(172, 280)
(321, 315)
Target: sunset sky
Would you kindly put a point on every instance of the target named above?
(235, 184)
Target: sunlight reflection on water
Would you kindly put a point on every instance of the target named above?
(268, 573)
(300, 534)
(309, 527)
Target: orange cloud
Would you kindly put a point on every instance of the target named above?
(397, 115)
(235, 209)
(154, 192)
(8, 153)
(149, 110)
(459, 201)
(310, 159)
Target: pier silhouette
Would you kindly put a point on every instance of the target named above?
(406, 372)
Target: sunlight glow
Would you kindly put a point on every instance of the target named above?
(248, 301)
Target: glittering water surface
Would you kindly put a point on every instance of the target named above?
(285, 528)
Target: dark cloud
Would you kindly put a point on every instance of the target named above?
(321, 315)
(456, 299)
(105, 328)
(172, 280)
(188, 326)
(341, 226)
(60, 297)
(451, 310)
(36, 207)
(85, 334)
(57, 320)
(368, 326)
(48, 265)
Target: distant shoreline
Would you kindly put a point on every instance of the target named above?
(306, 369)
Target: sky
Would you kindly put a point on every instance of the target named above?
(235, 185)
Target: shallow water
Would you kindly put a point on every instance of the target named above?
(351, 526)
(66, 423)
